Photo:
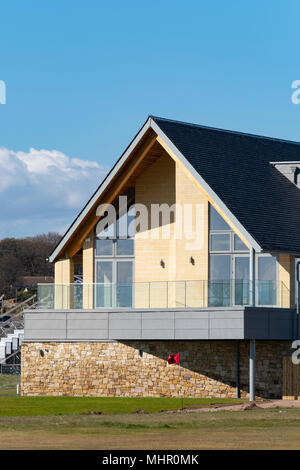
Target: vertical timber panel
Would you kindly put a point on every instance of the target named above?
(88, 271)
(290, 379)
(285, 276)
(64, 277)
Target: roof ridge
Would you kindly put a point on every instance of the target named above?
(229, 131)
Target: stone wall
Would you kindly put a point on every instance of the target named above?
(140, 368)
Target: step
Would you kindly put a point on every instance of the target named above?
(15, 341)
(8, 346)
(2, 351)
(19, 331)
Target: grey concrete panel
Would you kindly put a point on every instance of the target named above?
(88, 334)
(166, 315)
(157, 324)
(191, 314)
(191, 323)
(227, 323)
(157, 334)
(83, 316)
(227, 314)
(46, 324)
(43, 335)
(222, 333)
(124, 334)
(125, 323)
(40, 315)
(192, 333)
(115, 316)
(79, 324)
(208, 323)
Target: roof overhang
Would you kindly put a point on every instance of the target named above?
(149, 124)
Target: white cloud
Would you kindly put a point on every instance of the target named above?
(43, 190)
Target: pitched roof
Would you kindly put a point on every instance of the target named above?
(236, 169)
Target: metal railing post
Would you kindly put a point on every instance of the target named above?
(252, 371)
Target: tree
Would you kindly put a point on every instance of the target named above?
(25, 257)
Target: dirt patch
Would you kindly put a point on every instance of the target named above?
(254, 405)
(251, 406)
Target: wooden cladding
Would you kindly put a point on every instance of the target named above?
(290, 380)
(120, 184)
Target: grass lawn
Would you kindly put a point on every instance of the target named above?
(69, 423)
(255, 429)
(39, 406)
(8, 384)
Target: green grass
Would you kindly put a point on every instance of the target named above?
(256, 429)
(8, 384)
(38, 406)
(67, 423)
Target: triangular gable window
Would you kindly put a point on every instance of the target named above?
(216, 221)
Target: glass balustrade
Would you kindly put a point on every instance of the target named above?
(169, 294)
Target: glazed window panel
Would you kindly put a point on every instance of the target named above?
(220, 242)
(238, 244)
(104, 247)
(267, 280)
(216, 221)
(125, 247)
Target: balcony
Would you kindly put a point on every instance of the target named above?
(163, 295)
(173, 310)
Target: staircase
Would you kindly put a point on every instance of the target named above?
(11, 337)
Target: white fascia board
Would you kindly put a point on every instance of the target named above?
(150, 123)
(253, 243)
(99, 191)
(285, 163)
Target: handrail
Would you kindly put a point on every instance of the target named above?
(17, 306)
(163, 294)
(8, 357)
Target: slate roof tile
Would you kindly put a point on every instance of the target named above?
(237, 168)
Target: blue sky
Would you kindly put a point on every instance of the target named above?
(81, 78)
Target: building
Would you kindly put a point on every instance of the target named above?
(188, 246)
(30, 281)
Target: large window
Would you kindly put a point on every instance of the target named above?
(114, 263)
(266, 284)
(229, 264)
(229, 282)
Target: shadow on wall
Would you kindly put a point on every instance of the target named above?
(209, 368)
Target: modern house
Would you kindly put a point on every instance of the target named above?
(188, 246)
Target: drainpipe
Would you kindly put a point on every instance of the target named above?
(237, 368)
(252, 341)
(252, 370)
(252, 277)
(298, 280)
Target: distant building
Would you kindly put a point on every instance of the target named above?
(29, 281)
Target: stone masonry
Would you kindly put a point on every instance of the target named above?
(140, 369)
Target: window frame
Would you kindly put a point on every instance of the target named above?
(276, 280)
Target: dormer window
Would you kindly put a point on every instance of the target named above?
(291, 170)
